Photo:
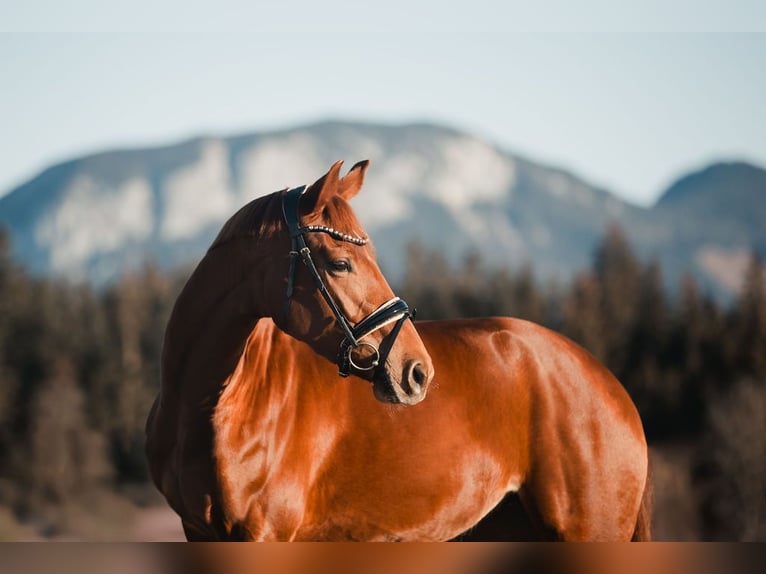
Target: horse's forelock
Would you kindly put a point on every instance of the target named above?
(339, 215)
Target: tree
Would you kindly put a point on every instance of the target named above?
(8, 382)
(618, 273)
(654, 385)
(751, 321)
(582, 315)
(65, 456)
(735, 494)
(428, 283)
(137, 308)
(468, 291)
(530, 303)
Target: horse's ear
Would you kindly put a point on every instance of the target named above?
(353, 180)
(321, 191)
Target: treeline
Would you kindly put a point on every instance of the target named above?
(79, 369)
(78, 372)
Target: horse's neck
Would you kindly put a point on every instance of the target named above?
(210, 323)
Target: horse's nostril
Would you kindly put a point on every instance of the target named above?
(418, 375)
(414, 380)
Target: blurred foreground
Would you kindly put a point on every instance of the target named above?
(156, 523)
(334, 558)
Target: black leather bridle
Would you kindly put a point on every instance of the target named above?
(394, 310)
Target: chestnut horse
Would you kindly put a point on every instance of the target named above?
(254, 436)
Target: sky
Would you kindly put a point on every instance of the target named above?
(628, 98)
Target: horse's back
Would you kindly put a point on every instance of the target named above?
(501, 351)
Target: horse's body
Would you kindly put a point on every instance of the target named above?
(254, 436)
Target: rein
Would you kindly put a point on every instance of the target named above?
(393, 310)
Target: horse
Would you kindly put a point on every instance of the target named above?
(265, 428)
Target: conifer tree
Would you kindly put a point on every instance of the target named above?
(735, 492)
(618, 273)
(529, 303)
(751, 320)
(65, 456)
(582, 315)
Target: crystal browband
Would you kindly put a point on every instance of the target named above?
(334, 233)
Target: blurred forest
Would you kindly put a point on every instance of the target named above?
(79, 369)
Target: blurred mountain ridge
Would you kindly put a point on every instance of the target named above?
(94, 217)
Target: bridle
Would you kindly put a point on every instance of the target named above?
(394, 310)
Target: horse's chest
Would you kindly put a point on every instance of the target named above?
(266, 478)
(324, 488)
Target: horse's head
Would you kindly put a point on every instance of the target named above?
(336, 298)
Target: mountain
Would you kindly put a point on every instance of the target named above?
(97, 216)
(714, 219)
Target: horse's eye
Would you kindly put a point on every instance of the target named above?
(340, 265)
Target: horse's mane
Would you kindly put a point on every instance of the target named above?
(261, 217)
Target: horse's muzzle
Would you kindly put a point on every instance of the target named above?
(410, 390)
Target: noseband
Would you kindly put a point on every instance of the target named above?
(394, 310)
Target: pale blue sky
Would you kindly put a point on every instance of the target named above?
(629, 111)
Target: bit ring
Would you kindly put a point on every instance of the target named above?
(364, 344)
